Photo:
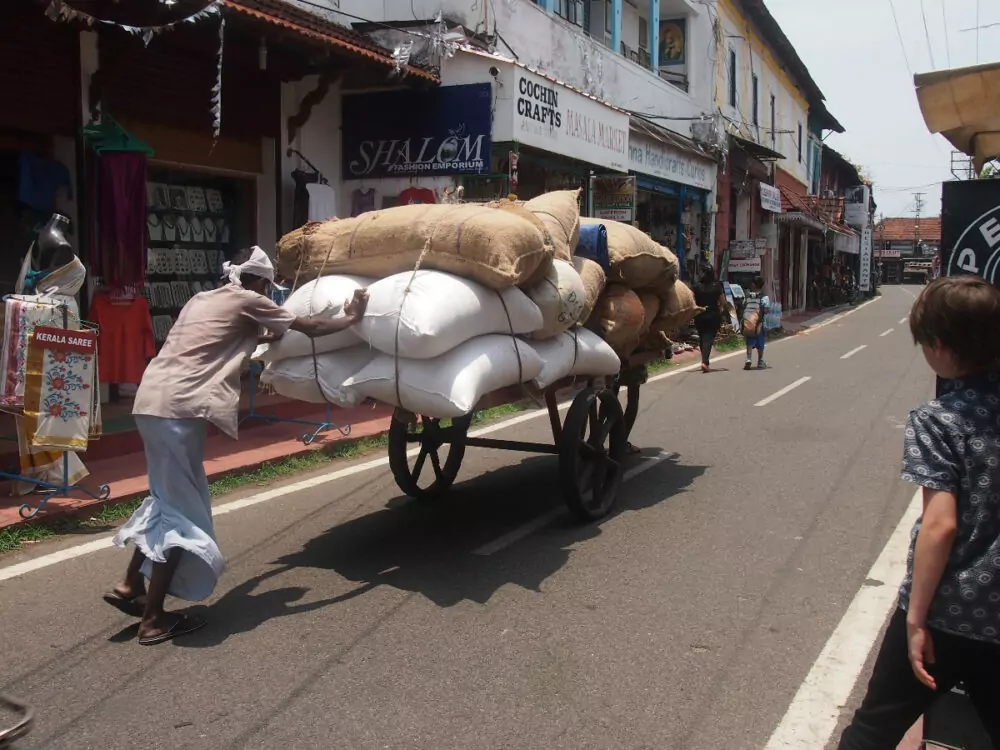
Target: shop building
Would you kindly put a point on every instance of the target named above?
(162, 135)
(906, 248)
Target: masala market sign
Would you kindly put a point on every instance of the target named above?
(651, 157)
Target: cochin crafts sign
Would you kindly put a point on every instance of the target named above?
(444, 131)
(552, 117)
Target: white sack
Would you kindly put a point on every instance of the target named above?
(296, 378)
(439, 312)
(324, 296)
(576, 352)
(449, 385)
(561, 298)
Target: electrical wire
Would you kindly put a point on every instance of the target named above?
(899, 34)
(927, 34)
(947, 44)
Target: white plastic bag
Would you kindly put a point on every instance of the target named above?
(324, 296)
(576, 352)
(561, 298)
(449, 385)
(297, 377)
(438, 312)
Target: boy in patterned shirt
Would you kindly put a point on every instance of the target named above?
(947, 627)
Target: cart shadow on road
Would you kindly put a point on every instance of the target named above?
(429, 548)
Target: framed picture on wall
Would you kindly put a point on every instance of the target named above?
(673, 41)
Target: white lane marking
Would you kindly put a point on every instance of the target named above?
(854, 351)
(54, 558)
(908, 292)
(516, 535)
(839, 317)
(815, 710)
(903, 320)
(783, 391)
(886, 333)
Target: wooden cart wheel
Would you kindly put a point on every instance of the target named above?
(431, 435)
(592, 453)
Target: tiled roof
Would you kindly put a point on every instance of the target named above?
(314, 28)
(900, 229)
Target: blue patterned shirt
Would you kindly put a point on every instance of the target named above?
(953, 444)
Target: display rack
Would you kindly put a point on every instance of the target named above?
(308, 438)
(63, 489)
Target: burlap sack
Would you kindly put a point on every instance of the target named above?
(636, 260)
(560, 212)
(677, 309)
(593, 279)
(496, 248)
(618, 319)
(518, 208)
(651, 307)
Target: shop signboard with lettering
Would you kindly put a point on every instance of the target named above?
(970, 228)
(745, 265)
(411, 133)
(613, 198)
(770, 198)
(743, 249)
(651, 157)
(865, 273)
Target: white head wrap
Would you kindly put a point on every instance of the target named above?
(258, 265)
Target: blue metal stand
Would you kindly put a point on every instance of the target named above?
(307, 438)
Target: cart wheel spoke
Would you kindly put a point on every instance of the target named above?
(436, 463)
(418, 465)
(594, 420)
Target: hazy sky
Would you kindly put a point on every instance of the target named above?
(854, 54)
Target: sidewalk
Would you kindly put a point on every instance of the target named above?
(259, 443)
(798, 322)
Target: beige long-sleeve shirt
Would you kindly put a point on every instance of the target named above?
(196, 375)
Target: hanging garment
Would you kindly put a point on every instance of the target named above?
(121, 226)
(126, 342)
(39, 180)
(416, 195)
(362, 201)
(322, 202)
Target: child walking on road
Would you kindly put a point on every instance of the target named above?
(754, 329)
(947, 627)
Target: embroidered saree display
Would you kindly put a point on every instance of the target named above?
(60, 393)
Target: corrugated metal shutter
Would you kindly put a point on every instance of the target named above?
(39, 71)
(170, 81)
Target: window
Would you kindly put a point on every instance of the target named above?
(643, 33)
(609, 13)
(732, 77)
(774, 121)
(571, 10)
(756, 100)
(800, 143)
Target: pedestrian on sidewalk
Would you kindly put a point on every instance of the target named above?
(710, 295)
(946, 629)
(754, 328)
(195, 381)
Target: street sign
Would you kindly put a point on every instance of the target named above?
(613, 198)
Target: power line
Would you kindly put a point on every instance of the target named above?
(927, 33)
(977, 31)
(899, 34)
(947, 44)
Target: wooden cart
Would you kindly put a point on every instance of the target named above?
(592, 442)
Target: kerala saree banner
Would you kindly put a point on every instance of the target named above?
(61, 397)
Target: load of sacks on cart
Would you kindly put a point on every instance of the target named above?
(466, 299)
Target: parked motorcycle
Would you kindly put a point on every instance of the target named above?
(22, 727)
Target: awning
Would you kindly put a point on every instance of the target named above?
(310, 27)
(763, 153)
(667, 137)
(961, 105)
(797, 217)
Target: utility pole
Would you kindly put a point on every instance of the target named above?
(919, 203)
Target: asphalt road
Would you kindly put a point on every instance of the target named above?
(351, 617)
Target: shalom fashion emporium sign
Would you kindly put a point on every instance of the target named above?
(444, 131)
(651, 157)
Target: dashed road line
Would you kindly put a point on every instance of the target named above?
(854, 351)
(903, 320)
(783, 391)
(886, 333)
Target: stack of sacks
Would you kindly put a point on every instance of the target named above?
(677, 308)
(641, 275)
